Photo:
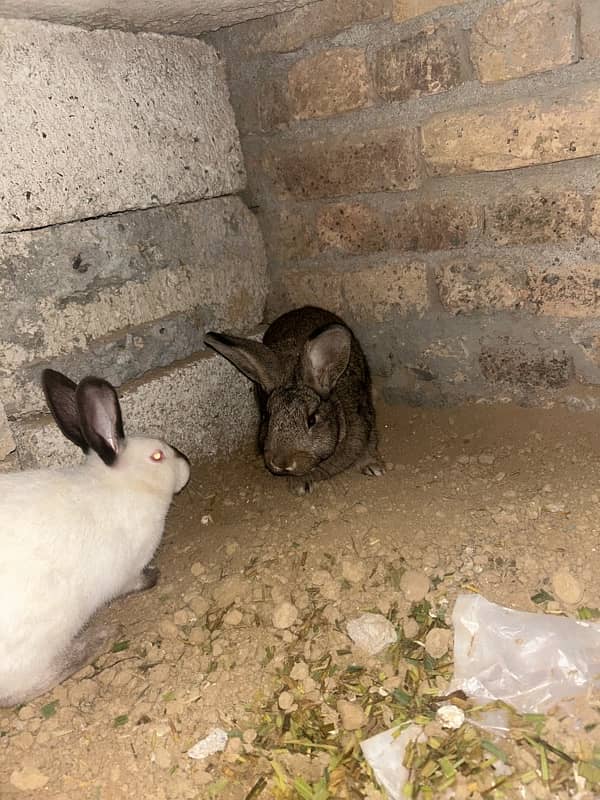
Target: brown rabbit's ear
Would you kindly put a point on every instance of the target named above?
(253, 359)
(60, 396)
(326, 355)
(100, 415)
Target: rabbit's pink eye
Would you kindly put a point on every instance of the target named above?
(157, 455)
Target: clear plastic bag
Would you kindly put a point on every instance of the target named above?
(531, 661)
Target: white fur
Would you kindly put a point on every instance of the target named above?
(70, 541)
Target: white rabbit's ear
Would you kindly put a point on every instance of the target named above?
(326, 355)
(60, 396)
(100, 416)
(253, 359)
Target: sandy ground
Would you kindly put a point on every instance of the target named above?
(257, 583)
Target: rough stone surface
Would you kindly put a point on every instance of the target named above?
(331, 82)
(566, 290)
(524, 36)
(203, 406)
(590, 28)
(185, 17)
(516, 364)
(433, 225)
(479, 286)
(292, 288)
(426, 64)
(536, 216)
(375, 292)
(7, 441)
(283, 33)
(406, 9)
(129, 121)
(126, 293)
(351, 228)
(515, 134)
(376, 161)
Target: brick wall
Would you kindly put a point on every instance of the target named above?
(431, 170)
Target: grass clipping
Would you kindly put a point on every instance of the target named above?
(303, 752)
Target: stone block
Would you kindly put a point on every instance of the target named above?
(407, 9)
(565, 290)
(377, 291)
(521, 37)
(101, 121)
(351, 228)
(522, 367)
(103, 290)
(203, 406)
(536, 216)
(514, 134)
(380, 160)
(590, 28)
(428, 63)
(299, 287)
(283, 33)
(433, 225)
(484, 286)
(7, 441)
(328, 83)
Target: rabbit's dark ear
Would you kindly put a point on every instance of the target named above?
(253, 359)
(326, 355)
(60, 396)
(100, 415)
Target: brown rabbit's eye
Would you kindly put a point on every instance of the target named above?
(312, 420)
(157, 455)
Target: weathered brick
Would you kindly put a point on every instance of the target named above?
(375, 291)
(590, 28)
(484, 286)
(536, 216)
(515, 134)
(429, 63)
(406, 9)
(381, 160)
(524, 36)
(517, 365)
(290, 235)
(282, 33)
(594, 225)
(293, 288)
(432, 225)
(351, 228)
(565, 290)
(328, 83)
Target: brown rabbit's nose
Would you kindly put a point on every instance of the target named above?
(278, 465)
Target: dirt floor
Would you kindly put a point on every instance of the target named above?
(246, 630)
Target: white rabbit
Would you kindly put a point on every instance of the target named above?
(73, 539)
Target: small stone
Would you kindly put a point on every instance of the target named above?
(285, 701)
(249, 736)
(159, 674)
(360, 508)
(566, 587)
(330, 590)
(487, 459)
(229, 590)
(437, 642)
(320, 577)
(181, 617)
(352, 717)
(197, 569)
(554, 508)
(414, 585)
(411, 628)
(284, 615)
(198, 635)
(82, 691)
(28, 779)
(233, 617)
(371, 632)
(27, 712)
(168, 629)
(299, 671)
(450, 716)
(354, 571)
(198, 604)
(23, 741)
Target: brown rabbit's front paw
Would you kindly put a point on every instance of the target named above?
(374, 468)
(300, 485)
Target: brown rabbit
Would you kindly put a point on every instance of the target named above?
(313, 390)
